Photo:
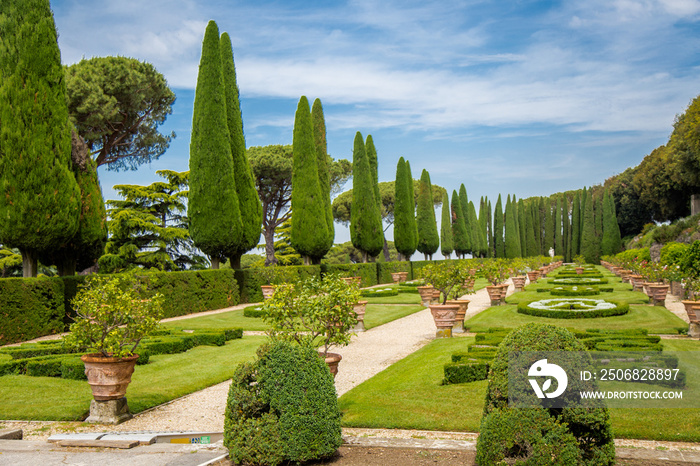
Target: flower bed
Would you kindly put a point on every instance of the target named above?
(573, 308)
(579, 281)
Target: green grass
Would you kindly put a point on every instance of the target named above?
(408, 395)
(230, 319)
(401, 298)
(377, 314)
(165, 378)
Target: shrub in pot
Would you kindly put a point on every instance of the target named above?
(113, 315)
(314, 312)
(282, 407)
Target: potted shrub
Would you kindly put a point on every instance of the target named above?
(112, 316)
(269, 275)
(314, 312)
(691, 288)
(495, 272)
(447, 278)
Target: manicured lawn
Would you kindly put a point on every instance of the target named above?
(408, 395)
(165, 378)
(401, 298)
(230, 319)
(656, 319)
(377, 314)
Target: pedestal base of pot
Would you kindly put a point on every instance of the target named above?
(694, 330)
(109, 412)
(332, 359)
(359, 327)
(444, 333)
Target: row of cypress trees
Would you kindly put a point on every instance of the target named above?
(224, 210)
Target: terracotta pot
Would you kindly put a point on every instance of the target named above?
(533, 275)
(332, 359)
(469, 284)
(426, 294)
(637, 282)
(444, 316)
(494, 292)
(399, 277)
(625, 275)
(267, 291)
(461, 313)
(108, 377)
(359, 309)
(657, 293)
(692, 308)
(543, 272)
(579, 270)
(519, 282)
(436, 296)
(504, 292)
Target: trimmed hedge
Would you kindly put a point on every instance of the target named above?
(385, 269)
(462, 372)
(368, 272)
(253, 311)
(570, 291)
(250, 280)
(377, 292)
(30, 308)
(619, 309)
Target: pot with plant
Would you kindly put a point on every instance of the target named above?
(316, 312)
(691, 288)
(447, 278)
(113, 315)
(494, 270)
(270, 275)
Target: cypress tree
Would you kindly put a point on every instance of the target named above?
(542, 225)
(566, 226)
(462, 241)
(598, 214)
(584, 197)
(464, 204)
(558, 237)
(479, 249)
(404, 212)
(213, 207)
(40, 201)
(522, 227)
(548, 241)
(428, 239)
(589, 242)
(498, 242)
(512, 239)
(412, 195)
(446, 245)
(576, 225)
(608, 242)
(489, 228)
(324, 175)
(484, 229)
(310, 236)
(616, 236)
(535, 213)
(365, 221)
(248, 201)
(531, 248)
(374, 168)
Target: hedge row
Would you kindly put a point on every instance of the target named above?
(619, 309)
(250, 280)
(30, 308)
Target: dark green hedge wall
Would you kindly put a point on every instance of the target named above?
(368, 272)
(385, 269)
(249, 280)
(30, 308)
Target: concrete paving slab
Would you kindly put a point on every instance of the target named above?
(82, 436)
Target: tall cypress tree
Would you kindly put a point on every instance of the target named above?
(324, 175)
(40, 201)
(482, 223)
(610, 242)
(213, 207)
(522, 227)
(542, 224)
(374, 168)
(512, 239)
(310, 235)
(566, 227)
(404, 212)
(365, 220)
(489, 228)
(446, 244)
(464, 204)
(479, 248)
(428, 239)
(462, 241)
(498, 242)
(549, 226)
(584, 197)
(248, 200)
(412, 195)
(576, 225)
(598, 214)
(531, 248)
(589, 241)
(558, 237)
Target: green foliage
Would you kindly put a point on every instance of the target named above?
(10, 262)
(462, 240)
(367, 272)
(314, 308)
(366, 230)
(282, 407)
(113, 315)
(690, 262)
(40, 204)
(590, 246)
(378, 292)
(428, 239)
(576, 225)
(310, 234)
(498, 241)
(404, 212)
(446, 276)
(371, 152)
(30, 308)
(505, 431)
(464, 373)
(558, 236)
(148, 227)
(571, 309)
(385, 269)
(611, 242)
(213, 206)
(446, 246)
(512, 237)
(117, 104)
(478, 240)
(672, 253)
(248, 201)
(324, 161)
(249, 280)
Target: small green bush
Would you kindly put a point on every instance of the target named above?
(690, 262)
(465, 372)
(282, 407)
(254, 311)
(672, 253)
(634, 255)
(377, 292)
(507, 434)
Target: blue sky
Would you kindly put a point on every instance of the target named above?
(521, 97)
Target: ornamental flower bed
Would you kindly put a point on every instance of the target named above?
(574, 291)
(573, 308)
(579, 281)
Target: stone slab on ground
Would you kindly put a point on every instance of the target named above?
(11, 434)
